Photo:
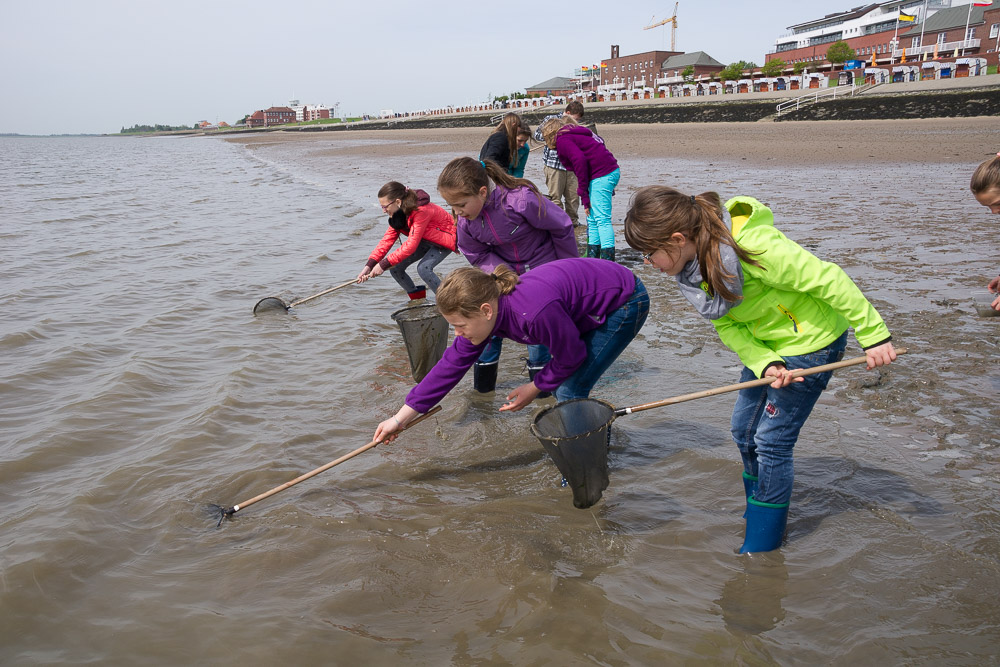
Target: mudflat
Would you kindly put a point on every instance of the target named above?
(947, 140)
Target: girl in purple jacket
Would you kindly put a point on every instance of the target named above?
(584, 153)
(585, 311)
(504, 220)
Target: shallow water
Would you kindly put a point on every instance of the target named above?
(138, 389)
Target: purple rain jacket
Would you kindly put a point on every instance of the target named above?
(553, 305)
(518, 228)
(584, 153)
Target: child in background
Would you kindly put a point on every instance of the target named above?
(585, 312)
(774, 304)
(985, 186)
(430, 233)
(584, 153)
(523, 150)
(501, 145)
(504, 220)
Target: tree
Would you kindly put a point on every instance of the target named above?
(734, 71)
(688, 73)
(773, 67)
(839, 52)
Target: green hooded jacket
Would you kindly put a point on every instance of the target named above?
(793, 303)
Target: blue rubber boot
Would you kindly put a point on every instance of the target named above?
(765, 526)
(749, 486)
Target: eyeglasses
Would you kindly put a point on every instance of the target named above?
(647, 255)
(385, 209)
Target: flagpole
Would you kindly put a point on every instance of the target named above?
(892, 54)
(923, 22)
(968, 20)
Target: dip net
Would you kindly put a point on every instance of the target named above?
(425, 333)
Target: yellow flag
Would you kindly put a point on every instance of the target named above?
(907, 18)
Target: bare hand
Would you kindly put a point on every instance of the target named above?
(377, 270)
(994, 285)
(363, 276)
(782, 376)
(389, 429)
(880, 355)
(520, 397)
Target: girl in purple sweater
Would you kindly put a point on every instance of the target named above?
(585, 311)
(584, 153)
(504, 220)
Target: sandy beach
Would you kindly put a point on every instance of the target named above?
(945, 140)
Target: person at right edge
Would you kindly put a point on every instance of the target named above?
(773, 303)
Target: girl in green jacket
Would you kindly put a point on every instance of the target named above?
(773, 303)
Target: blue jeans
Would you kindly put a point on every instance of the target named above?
(430, 255)
(599, 229)
(766, 422)
(605, 343)
(538, 355)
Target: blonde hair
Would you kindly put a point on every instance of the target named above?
(986, 177)
(464, 290)
(553, 127)
(657, 212)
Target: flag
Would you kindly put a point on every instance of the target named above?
(981, 4)
(908, 18)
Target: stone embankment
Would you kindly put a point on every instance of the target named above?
(954, 98)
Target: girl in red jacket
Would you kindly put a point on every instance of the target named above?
(429, 232)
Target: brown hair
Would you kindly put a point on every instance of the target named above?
(510, 124)
(464, 290)
(575, 107)
(986, 177)
(553, 127)
(657, 212)
(395, 190)
(465, 176)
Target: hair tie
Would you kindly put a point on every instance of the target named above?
(692, 199)
(484, 164)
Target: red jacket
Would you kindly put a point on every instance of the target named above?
(428, 221)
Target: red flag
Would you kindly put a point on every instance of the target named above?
(981, 4)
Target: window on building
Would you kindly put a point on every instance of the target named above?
(941, 37)
(994, 30)
(915, 42)
(970, 33)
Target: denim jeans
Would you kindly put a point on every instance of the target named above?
(766, 422)
(605, 343)
(599, 229)
(538, 355)
(430, 255)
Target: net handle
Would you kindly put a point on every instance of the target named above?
(746, 385)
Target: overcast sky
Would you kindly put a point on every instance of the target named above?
(95, 66)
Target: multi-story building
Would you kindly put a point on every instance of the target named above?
(635, 71)
(875, 31)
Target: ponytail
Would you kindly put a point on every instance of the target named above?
(396, 190)
(465, 176)
(657, 212)
(464, 290)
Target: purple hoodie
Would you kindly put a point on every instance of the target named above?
(584, 153)
(518, 228)
(553, 305)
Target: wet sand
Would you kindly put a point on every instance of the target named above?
(945, 140)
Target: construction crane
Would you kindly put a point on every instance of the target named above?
(673, 28)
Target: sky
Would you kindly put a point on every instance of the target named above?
(96, 66)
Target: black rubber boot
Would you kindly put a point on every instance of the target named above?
(593, 251)
(419, 293)
(532, 370)
(484, 377)
(608, 253)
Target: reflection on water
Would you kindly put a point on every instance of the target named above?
(138, 388)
